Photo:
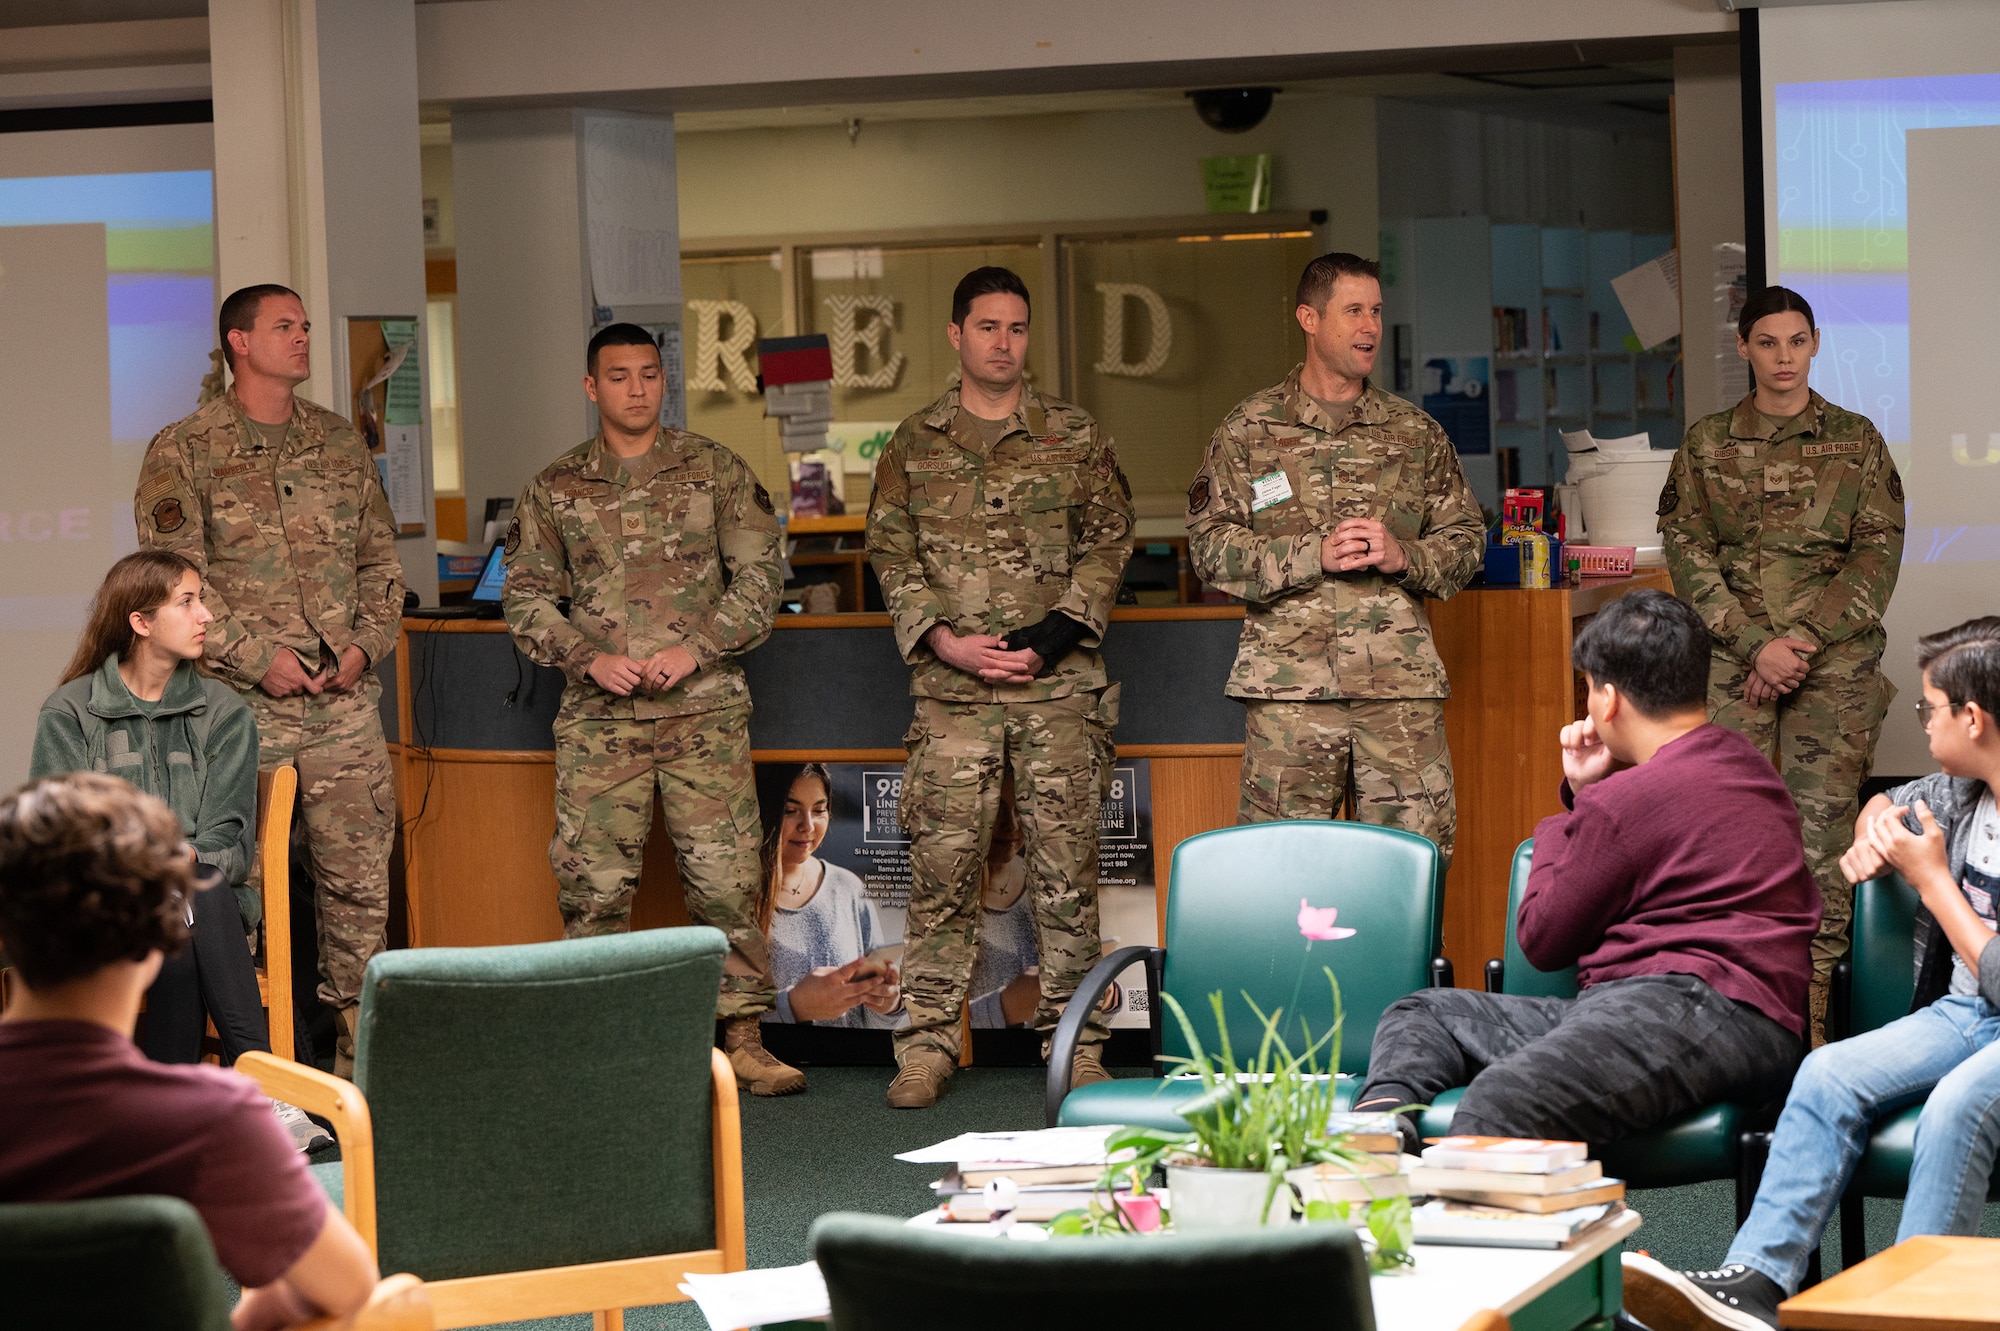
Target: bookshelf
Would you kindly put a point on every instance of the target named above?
(1563, 354)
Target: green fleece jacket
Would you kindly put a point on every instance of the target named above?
(196, 748)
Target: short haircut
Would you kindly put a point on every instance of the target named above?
(1316, 282)
(617, 335)
(92, 871)
(239, 312)
(1964, 662)
(1770, 301)
(987, 282)
(1652, 648)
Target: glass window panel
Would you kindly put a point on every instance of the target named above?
(733, 413)
(441, 325)
(1228, 299)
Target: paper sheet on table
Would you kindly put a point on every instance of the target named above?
(1043, 1146)
(1651, 295)
(758, 1298)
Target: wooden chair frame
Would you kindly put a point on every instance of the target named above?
(603, 1289)
(399, 1303)
(277, 796)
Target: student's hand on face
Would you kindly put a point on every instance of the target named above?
(1584, 757)
(834, 991)
(1920, 859)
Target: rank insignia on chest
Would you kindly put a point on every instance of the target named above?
(1269, 490)
(632, 524)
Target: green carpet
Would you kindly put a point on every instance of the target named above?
(830, 1149)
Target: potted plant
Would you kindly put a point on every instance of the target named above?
(1262, 1138)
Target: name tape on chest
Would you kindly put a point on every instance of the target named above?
(232, 469)
(1269, 490)
(1831, 450)
(932, 466)
(692, 476)
(1727, 454)
(1051, 457)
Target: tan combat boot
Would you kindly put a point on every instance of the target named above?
(1087, 1066)
(743, 1041)
(343, 1044)
(920, 1078)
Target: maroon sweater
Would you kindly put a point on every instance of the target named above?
(1688, 864)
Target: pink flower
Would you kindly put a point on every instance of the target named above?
(1317, 924)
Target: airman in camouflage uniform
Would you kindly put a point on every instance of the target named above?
(1343, 688)
(1024, 526)
(675, 547)
(1795, 531)
(292, 532)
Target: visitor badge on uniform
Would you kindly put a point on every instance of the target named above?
(1268, 490)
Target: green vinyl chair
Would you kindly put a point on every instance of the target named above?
(538, 1130)
(883, 1275)
(1706, 1145)
(1873, 985)
(1232, 926)
(143, 1264)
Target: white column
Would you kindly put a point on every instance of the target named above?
(318, 181)
(1708, 204)
(522, 211)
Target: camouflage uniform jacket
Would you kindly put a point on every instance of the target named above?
(992, 543)
(1308, 634)
(296, 546)
(1800, 533)
(688, 559)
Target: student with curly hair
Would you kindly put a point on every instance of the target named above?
(95, 877)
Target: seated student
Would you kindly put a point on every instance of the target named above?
(1942, 834)
(1675, 882)
(94, 880)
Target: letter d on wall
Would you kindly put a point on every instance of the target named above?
(1112, 361)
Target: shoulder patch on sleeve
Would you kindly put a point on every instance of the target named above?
(1198, 495)
(513, 536)
(763, 498)
(1895, 484)
(168, 517)
(1670, 497)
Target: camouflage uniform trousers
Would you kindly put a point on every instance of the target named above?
(1821, 738)
(346, 819)
(1385, 758)
(1061, 754)
(606, 772)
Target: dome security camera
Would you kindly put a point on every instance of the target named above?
(1232, 110)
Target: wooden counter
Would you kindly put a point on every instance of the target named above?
(477, 775)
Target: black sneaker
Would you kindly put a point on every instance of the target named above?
(1735, 1297)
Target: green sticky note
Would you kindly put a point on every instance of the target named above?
(1239, 184)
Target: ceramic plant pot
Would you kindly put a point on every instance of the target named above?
(1205, 1198)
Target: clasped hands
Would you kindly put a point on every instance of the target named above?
(288, 676)
(984, 655)
(659, 672)
(831, 992)
(1781, 666)
(1361, 543)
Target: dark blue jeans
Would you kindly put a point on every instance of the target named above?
(212, 977)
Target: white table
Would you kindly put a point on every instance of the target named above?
(1538, 1289)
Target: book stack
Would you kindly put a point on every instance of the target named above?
(1053, 1170)
(797, 374)
(1377, 1173)
(1511, 1192)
